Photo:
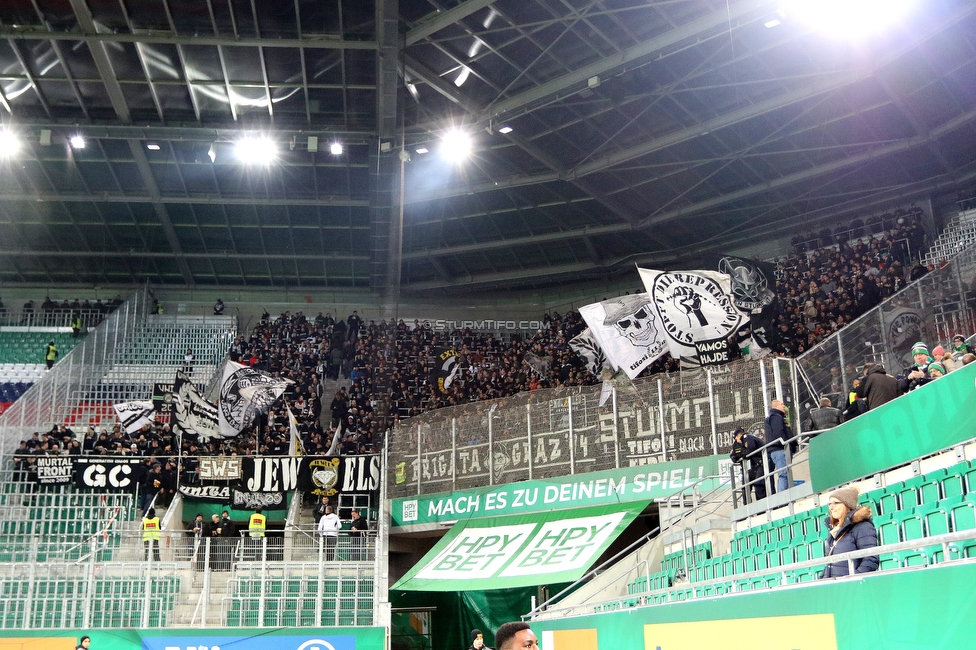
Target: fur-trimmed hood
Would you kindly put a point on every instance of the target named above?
(862, 513)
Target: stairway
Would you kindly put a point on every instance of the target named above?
(958, 234)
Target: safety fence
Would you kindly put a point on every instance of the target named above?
(563, 431)
(120, 579)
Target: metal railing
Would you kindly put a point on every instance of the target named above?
(59, 317)
(773, 578)
(116, 579)
(558, 432)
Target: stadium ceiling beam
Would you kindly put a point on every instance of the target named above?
(162, 38)
(653, 221)
(514, 275)
(117, 98)
(214, 255)
(186, 133)
(832, 82)
(44, 197)
(573, 82)
(438, 20)
(450, 92)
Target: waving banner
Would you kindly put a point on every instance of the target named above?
(134, 415)
(585, 345)
(191, 412)
(696, 311)
(628, 330)
(244, 393)
(445, 368)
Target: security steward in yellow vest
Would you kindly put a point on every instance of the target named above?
(50, 355)
(257, 524)
(150, 534)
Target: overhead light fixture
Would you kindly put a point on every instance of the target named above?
(77, 141)
(335, 148)
(9, 144)
(456, 145)
(772, 22)
(422, 150)
(853, 19)
(506, 129)
(313, 143)
(45, 137)
(212, 153)
(256, 150)
(152, 146)
(462, 77)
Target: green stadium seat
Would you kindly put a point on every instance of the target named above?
(954, 484)
(935, 519)
(908, 495)
(911, 527)
(963, 515)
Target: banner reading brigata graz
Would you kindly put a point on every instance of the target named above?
(459, 456)
(630, 484)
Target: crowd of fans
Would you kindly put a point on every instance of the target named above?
(393, 367)
(821, 292)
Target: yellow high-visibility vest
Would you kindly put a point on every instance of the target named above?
(257, 524)
(150, 529)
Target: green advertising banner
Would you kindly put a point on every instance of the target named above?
(519, 550)
(629, 484)
(336, 638)
(922, 609)
(936, 416)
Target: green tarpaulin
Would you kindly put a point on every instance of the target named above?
(520, 550)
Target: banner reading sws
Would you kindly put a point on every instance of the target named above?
(630, 484)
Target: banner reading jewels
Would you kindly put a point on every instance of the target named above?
(323, 476)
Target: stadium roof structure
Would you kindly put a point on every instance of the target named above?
(604, 133)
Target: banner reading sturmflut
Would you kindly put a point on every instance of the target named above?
(694, 307)
(191, 412)
(628, 330)
(244, 393)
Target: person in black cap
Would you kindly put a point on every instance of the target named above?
(477, 641)
(744, 452)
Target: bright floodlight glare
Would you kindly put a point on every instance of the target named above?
(505, 129)
(772, 22)
(456, 145)
(335, 148)
(152, 146)
(848, 18)
(9, 144)
(256, 150)
(77, 142)
(421, 150)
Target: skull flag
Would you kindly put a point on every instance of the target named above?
(244, 393)
(695, 308)
(628, 330)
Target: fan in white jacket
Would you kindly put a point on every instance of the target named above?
(329, 524)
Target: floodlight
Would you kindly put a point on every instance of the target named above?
(848, 18)
(212, 153)
(505, 129)
(256, 150)
(9, 144)
(422, 150)
(77, 141)
(772, 22)
(152, 146)
(335, 148)
(462, 77)
(456, 145)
